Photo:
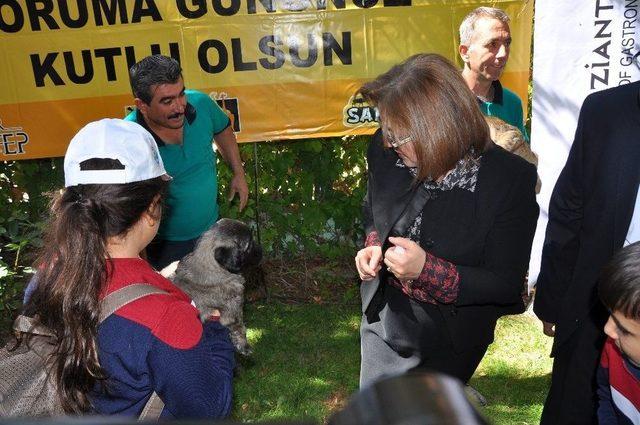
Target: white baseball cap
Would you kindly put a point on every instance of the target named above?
(118, 139)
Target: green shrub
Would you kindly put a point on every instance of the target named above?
(308, 204)
(23, 188)
(309, 195)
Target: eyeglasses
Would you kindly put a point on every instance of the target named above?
(397, 143)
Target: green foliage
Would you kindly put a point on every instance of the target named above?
(309, 195)
(23, 188)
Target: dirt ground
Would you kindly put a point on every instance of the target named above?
(310, 280)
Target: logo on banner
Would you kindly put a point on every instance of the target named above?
(613, 60)
(357, 113)
(230, 107)
(12, 140)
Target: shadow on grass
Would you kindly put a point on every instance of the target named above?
(513, 390)
(512, 399)
(515, 375)
(305, 363)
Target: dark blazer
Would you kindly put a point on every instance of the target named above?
(591, 208)
(487, 234)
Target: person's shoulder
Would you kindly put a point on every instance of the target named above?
(132, 116)
(495, 154)
(506, 166)
(208, 107)
(616, 107)
(619, 95)
(375, 142)
(200, 100)
(180, 326)
(376, 152)
(196, 97)
(169, 317)
(510, 97)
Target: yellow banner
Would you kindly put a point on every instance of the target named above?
(286, 69)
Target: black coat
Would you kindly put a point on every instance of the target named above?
(590, 209)
(487, 234)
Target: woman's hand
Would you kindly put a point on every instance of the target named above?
(405, 259)
(368, 262)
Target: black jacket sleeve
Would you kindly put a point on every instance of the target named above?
(367, 212)
(561, 244)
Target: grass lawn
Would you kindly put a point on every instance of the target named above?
(306, 362)
(515, 374)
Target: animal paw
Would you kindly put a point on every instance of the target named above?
(244, 349)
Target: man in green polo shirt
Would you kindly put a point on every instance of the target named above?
(184, 124)
(485, 42)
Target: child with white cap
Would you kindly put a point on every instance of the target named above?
(106, 215)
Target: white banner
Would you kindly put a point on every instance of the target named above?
(579, 48)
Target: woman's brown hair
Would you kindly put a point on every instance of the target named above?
(428, 99)
(72, 271)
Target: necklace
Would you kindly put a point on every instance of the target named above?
(489, 96)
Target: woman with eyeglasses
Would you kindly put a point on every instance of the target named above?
(449, 220)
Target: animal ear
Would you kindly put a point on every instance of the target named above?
(228, 258)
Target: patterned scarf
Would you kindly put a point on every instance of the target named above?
(464, 176)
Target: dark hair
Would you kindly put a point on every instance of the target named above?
(427, 96)
(72, 271)
(619, 285)
(150, 71)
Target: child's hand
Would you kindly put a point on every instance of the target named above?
(214, 315)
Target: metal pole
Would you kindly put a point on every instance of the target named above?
(255, 190)
(261, 277)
